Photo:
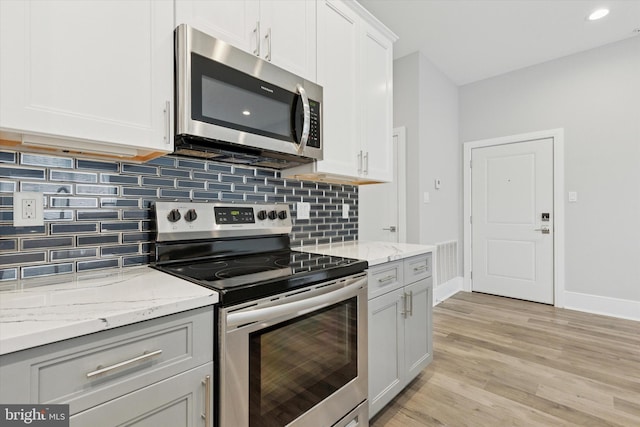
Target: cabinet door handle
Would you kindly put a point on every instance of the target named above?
(410, 303)
(256, 31)
(360, 162)
(366, 163)
(386, 279)
(267, 37)
(207, 401)
(145, 356)
(167, 122)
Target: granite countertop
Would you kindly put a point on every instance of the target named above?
(36, 312)
(372, 252)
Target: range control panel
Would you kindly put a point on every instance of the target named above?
(193, 220)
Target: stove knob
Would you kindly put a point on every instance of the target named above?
(282, 214)
(262, 215)
(174, 215)
(191, 215)
(273, 215)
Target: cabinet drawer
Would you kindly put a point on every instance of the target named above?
(92, 369)
(417, 267)
(384, 278)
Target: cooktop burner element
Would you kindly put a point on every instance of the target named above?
(239, 250)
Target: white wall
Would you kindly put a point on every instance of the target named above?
(440, 156)
(426, 103)
(405, 113)
(595, 97)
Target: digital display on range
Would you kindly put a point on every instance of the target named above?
(234, 215)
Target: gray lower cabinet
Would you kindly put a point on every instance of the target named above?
(400, 326)
(179, 401)
(129, 375)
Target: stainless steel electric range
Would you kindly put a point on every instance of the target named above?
(291, 342)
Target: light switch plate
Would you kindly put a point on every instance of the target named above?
(426, 198)
(573, 196)
(303, 210)
(345, 211)
(28, 209)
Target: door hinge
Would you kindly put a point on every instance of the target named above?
(471, 275)
(470, 219)
(470, 164)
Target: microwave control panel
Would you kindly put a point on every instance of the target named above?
(314, 128)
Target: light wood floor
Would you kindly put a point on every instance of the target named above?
(504, 362)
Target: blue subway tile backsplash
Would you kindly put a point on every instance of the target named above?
(98, 215)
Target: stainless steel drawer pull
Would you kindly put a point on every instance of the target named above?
(145, 356)
(386, 279)
(421, 268)
(207, 401)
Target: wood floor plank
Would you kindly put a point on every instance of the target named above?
(505, 362)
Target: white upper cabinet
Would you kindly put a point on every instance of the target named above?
(92, 77)
(377, 105)
(355, 69)
(338, 68)
(280, 31)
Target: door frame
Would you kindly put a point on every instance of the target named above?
(557, 136)
(401, 180)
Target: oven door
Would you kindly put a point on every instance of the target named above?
(299, 359)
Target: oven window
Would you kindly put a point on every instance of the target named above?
(297, 364)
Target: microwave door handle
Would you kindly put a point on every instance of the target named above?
(306, 110)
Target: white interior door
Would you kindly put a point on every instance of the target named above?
(381, 206)
(512, 220)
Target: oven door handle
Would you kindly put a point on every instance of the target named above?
(299, 307)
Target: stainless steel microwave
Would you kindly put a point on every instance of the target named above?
(232, 106)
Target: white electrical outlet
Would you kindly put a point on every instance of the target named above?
(28, 209)
(345, 211)
(303, 210)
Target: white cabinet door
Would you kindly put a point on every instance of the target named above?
(234, 21)
(386, 349)
(418, 327)
(377, 106)
(98, 71)
(288, 31)
(179, 401)
(338, 44)
(280, 31)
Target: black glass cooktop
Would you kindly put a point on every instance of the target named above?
(243, 278)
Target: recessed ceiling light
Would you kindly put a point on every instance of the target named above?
(246, 112)
(598, 13)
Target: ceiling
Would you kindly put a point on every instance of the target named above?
(471, 40)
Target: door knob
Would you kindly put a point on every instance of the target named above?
(392, 228)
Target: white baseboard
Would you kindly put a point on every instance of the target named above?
(615, 307)
(447, 290)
